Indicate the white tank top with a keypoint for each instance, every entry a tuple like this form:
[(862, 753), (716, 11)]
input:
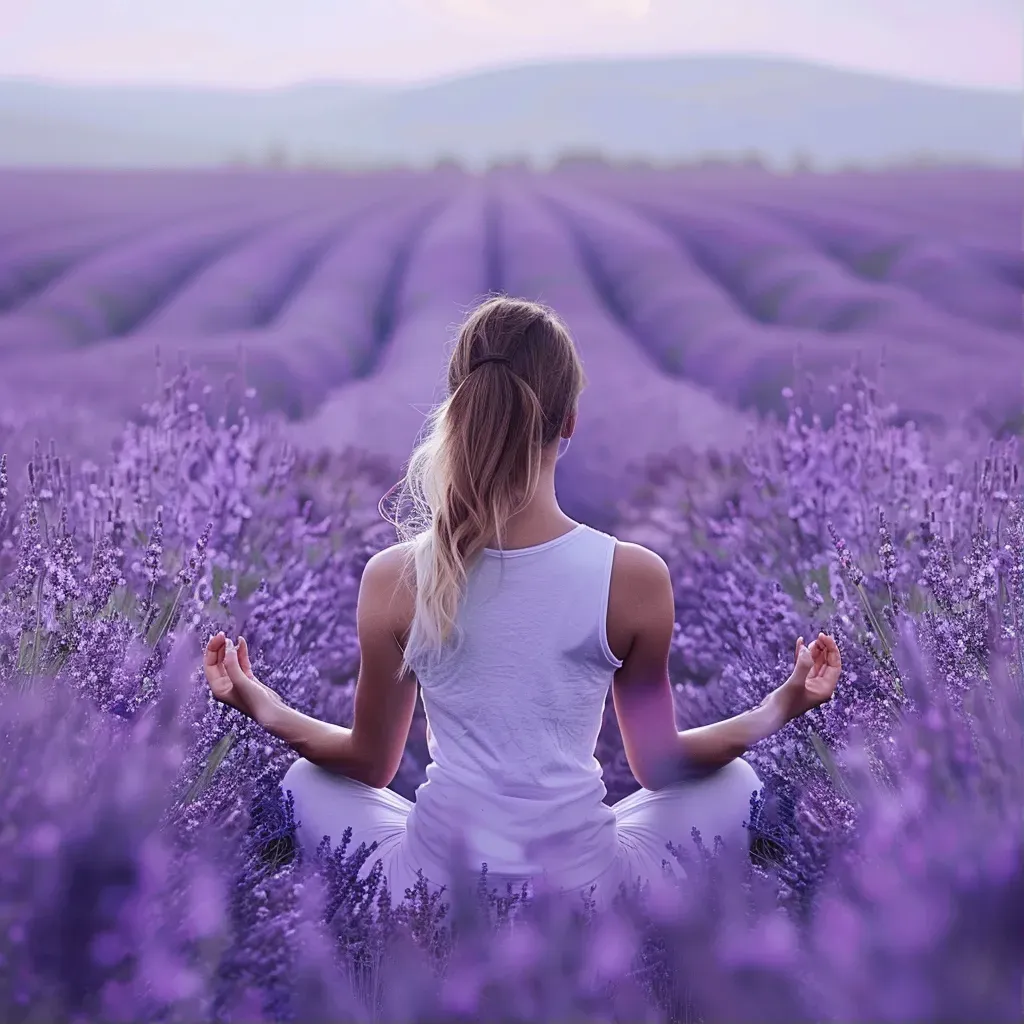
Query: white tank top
[(514, 710)]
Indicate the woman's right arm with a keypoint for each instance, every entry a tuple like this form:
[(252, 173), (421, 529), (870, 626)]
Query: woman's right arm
[(370, 751), (658, 753)]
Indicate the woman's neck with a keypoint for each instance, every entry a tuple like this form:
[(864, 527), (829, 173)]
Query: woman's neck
[(541, 519)]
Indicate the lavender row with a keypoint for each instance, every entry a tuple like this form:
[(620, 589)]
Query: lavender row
[(90, 277), (323, 338), (443, 273), (698, 299), (949, 270), (631, 411)]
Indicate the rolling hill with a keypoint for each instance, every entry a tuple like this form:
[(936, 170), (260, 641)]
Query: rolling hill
[(669, 109)]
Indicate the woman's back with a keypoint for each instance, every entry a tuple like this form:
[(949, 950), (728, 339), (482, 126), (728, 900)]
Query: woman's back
[(514, 709)]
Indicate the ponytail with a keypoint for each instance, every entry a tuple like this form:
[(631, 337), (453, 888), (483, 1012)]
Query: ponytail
[(479, 459)]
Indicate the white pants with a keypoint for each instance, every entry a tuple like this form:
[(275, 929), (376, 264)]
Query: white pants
[(717, 805)]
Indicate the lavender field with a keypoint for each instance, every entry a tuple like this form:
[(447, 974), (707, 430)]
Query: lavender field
[(690, 293), (806, 392)]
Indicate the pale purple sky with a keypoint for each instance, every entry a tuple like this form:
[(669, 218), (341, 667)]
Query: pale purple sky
[(254, 43)]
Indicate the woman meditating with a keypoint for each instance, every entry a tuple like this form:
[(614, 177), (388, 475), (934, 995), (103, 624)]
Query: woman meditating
[(514, 621)]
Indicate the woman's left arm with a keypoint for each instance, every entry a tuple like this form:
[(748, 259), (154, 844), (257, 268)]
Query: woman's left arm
[(371, 751)]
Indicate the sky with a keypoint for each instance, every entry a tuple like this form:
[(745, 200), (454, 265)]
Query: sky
[(267, 43)]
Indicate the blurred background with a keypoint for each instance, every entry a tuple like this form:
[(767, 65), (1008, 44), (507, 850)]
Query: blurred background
[(309, 196)]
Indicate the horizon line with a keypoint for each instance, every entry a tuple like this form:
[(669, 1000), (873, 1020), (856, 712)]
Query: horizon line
[(403, 84)]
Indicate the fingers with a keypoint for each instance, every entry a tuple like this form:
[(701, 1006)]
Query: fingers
[(214, 649), (821, 644), (803, 664), (823, 652), (243, 656), (818, 664), (231, 665), (832, 652), (818, 645), (227, 664), (218, 646)]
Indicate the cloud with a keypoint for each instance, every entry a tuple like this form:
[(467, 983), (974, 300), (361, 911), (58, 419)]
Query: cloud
[(267, 42), (13, 13), (633, 9), (541, 13)]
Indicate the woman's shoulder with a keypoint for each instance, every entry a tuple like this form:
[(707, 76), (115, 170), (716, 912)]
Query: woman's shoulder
[(634, 561), (391, 571), (628, 552), (640, 596), (388, 588), (391, 563), (639, 576)]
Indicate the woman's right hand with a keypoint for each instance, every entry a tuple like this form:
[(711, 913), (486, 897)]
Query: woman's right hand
[(815, 677), (230, 677)]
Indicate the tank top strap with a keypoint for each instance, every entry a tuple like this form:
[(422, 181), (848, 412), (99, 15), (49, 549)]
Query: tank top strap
[(603, 547)]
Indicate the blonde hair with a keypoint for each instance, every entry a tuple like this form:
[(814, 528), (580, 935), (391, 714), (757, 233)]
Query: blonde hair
[(514, 378)]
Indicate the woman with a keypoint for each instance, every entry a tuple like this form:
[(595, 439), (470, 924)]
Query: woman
[(514, 622)]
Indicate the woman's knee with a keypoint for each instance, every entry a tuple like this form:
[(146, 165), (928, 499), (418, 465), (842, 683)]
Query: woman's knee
[(740, 773), (301, 775), (737, 781), (313, 792), (305, 779), (736, 777)]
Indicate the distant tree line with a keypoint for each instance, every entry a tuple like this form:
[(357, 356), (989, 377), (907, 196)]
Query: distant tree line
[(276, 157)]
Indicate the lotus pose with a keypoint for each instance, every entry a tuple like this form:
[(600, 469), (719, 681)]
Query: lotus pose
[(514, 621)]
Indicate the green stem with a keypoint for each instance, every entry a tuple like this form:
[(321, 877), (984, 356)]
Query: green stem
[(39, 629), (213, 761), (875, 625), (168, 618)]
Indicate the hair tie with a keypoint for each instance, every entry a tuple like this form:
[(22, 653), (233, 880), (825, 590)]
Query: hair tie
[(490, 359)]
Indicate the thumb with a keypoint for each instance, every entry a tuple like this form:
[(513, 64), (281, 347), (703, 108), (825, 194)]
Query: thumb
[(804, 662)]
